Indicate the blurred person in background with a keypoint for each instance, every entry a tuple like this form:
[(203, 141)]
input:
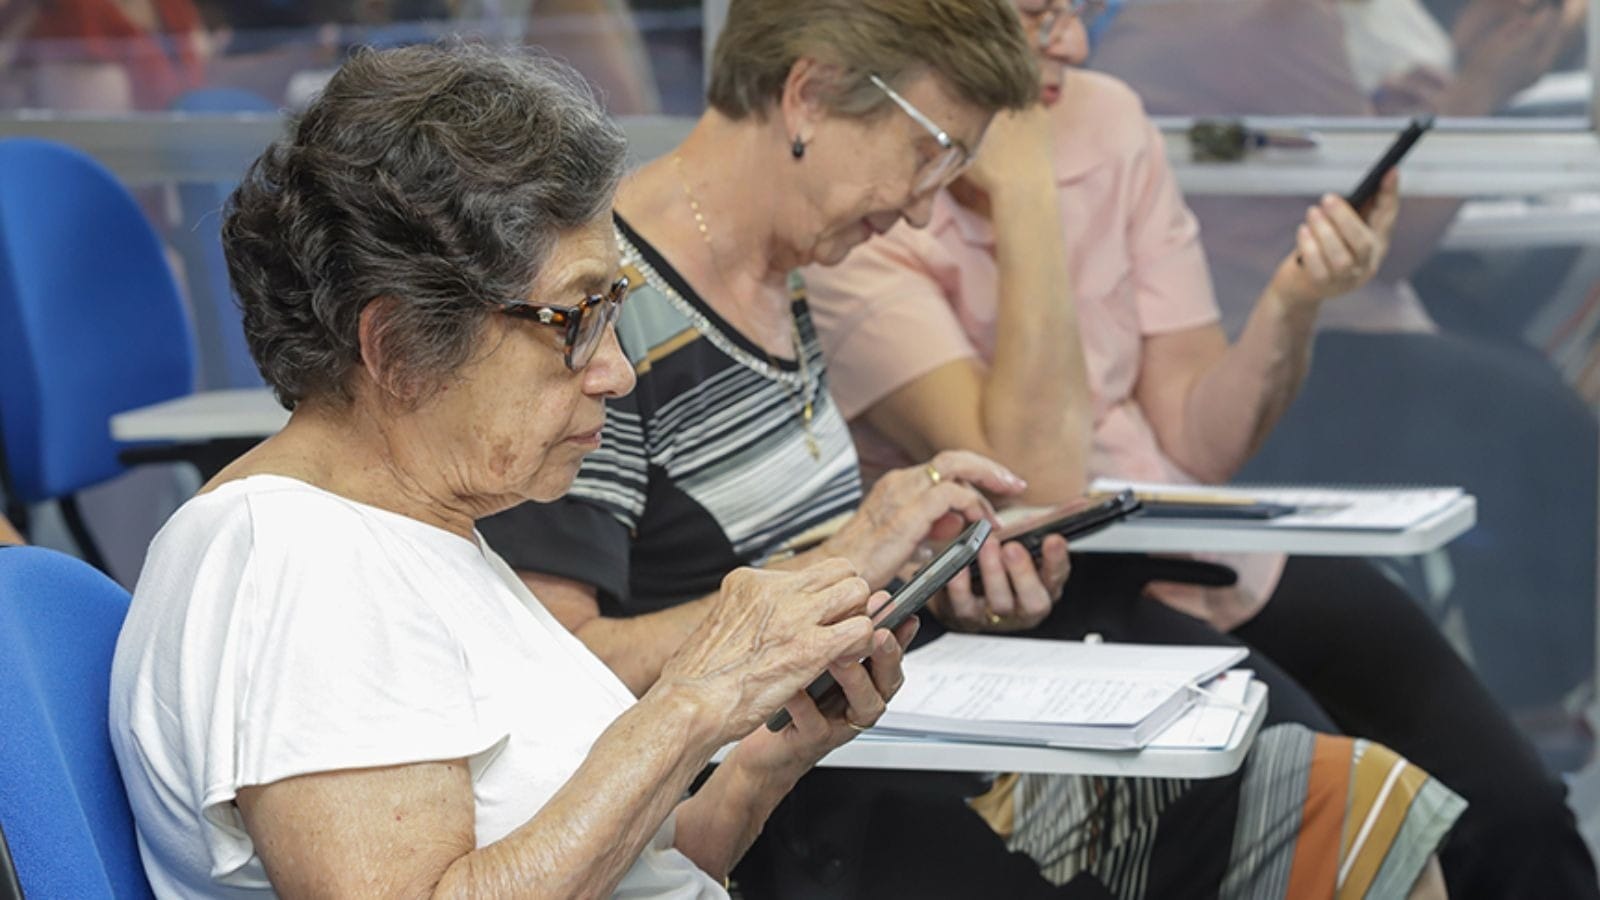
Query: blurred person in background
[(1056, 315), (601, 39), (285, 50), (110, 56), (16, 20), (1392, 398)]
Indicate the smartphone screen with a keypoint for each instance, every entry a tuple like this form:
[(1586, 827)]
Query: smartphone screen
[(931, 577)]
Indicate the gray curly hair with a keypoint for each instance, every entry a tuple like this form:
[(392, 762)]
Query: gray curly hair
[(437, 177)]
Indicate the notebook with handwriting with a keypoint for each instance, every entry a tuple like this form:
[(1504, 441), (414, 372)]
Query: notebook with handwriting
[(1050, 693)]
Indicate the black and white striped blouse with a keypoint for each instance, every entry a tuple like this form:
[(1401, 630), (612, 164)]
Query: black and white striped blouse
[(705, 467)]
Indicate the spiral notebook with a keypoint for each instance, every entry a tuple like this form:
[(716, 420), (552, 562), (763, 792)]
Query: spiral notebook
[(1050, 693)]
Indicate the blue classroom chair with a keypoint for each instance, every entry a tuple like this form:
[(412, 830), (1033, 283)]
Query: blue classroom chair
[(62, 804), (91, 324)]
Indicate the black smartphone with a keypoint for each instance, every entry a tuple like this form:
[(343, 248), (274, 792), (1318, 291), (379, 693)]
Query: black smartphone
[(1082, 523), (1072, 526), (907, 601), (1368, 188)]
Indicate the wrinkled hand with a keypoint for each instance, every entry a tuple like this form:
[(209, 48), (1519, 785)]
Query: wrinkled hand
[(908, 505), (1336, 251), (1018, 146), (1503, 46), (768, 635), (1018, 594), (813, 732)]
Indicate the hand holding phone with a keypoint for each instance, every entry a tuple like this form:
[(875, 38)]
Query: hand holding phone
[(1321, 268), (906, 602), (1072, 526)]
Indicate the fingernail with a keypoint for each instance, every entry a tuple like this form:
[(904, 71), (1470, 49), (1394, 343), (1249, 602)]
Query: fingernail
[(1329, 200)]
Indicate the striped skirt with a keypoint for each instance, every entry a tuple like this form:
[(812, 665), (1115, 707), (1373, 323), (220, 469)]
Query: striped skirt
[(1306, 816)]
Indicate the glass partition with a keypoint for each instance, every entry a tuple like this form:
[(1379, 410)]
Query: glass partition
[(155, 55), (1460, 59)]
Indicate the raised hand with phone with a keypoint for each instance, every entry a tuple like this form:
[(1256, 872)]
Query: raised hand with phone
[(1339, 246)]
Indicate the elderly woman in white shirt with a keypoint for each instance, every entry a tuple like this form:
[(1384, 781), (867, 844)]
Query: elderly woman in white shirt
[(327, 685)]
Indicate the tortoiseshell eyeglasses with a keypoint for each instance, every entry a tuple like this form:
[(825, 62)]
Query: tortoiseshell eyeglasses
[(584, 324)]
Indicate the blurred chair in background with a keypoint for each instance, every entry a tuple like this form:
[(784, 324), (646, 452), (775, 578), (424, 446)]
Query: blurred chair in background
[(224, 358), (91, 324)]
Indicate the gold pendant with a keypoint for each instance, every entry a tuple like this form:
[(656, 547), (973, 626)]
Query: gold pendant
[(813, 446)]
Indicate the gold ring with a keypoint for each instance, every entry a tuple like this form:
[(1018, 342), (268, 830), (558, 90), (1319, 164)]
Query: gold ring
[(933, 474), (858, 729), (994, 618)]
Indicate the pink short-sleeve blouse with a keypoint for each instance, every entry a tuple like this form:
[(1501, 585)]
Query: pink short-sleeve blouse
[(910, 301)]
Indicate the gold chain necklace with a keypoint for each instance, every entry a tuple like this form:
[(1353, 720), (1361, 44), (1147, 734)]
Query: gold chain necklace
[(803, 397)]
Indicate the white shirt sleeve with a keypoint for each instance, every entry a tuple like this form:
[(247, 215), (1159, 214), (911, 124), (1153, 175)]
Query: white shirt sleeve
[(333, 657)]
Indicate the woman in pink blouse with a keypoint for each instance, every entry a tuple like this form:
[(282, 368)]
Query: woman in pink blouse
[(1057, 315)]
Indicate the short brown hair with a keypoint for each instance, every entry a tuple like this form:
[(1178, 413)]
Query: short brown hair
[(975, 47)]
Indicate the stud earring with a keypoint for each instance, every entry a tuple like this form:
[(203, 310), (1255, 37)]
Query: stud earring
[(798, 148)]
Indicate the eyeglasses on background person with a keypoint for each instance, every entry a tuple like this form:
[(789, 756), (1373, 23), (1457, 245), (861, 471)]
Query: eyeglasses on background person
[(953, 157), (1045, 17)]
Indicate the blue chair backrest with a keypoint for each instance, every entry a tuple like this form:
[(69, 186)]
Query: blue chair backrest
[(224, 357), (91, 321), (62, 802)]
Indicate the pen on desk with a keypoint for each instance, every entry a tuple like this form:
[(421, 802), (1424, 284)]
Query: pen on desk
[(1209, 505), (1198, 499), (1230, 140)]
